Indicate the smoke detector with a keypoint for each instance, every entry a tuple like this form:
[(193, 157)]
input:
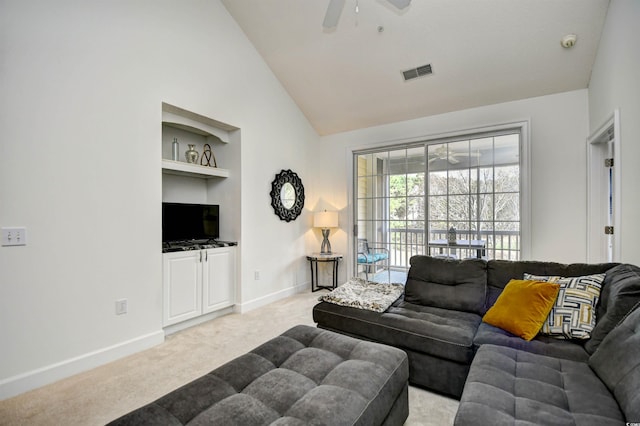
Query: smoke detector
[(569, 41)]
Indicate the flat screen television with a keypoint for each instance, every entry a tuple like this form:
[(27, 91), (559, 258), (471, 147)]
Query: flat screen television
[(182, 221)]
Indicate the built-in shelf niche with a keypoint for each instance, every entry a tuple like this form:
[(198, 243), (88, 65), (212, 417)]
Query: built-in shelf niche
[(192, 128)]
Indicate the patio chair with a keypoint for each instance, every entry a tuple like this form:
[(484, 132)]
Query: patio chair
[(372, 256)]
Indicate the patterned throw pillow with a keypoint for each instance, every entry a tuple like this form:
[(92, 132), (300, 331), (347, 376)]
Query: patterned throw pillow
[(574, 314)]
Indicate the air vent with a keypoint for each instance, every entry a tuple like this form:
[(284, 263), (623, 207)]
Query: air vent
[(417, 72)]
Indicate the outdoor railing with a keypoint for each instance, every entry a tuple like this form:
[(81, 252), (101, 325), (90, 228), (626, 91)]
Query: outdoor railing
[(404, 243)]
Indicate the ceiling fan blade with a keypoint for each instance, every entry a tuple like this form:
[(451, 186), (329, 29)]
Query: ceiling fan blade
[(400, 4), (453, 160), (332, 16)]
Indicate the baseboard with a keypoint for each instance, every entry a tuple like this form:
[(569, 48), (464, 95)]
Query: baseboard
[(270, 298), (24, 382), (196, 321)]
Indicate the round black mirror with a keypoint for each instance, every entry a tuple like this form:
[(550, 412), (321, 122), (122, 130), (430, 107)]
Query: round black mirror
[(287, 195)]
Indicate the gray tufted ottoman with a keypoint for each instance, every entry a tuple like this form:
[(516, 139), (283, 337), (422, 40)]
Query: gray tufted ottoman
[(306, 376)]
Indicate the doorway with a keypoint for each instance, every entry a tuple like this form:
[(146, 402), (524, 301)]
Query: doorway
[(603, 214)]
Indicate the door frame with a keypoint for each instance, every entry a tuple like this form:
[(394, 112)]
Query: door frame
[(597, 186)]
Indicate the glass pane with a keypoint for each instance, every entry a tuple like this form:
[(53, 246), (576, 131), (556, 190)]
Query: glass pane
[(365, 209), (398, 208), (459, 181), (507, 149), (364, 162), (398, 162), (481, 150), (365, 228), (366, 187), (507, 207), (415, 184), (473, 209), (438, 230), (507, 227), (459, 207), (485, 207), (437, 155), (416, 160), (397, 185), (415, 208), (462, 229), (438, 183), (438, 208), (507, 179), (416, 226), (485, 175), (458, 154), (372, 164)]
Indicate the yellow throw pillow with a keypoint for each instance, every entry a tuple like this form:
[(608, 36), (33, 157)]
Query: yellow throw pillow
[(522, 307)]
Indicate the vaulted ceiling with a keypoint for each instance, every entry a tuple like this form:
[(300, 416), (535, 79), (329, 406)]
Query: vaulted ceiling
[(481, 51)]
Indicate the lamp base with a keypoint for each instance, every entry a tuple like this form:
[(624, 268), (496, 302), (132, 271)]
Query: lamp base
[(325, 248)]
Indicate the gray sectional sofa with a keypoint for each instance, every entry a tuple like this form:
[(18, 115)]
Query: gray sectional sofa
[(438, 323)]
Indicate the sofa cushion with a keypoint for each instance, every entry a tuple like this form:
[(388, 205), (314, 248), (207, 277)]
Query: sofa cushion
[(617, 363), (499, 272), (523, 307), (620, 292), (434, 331), (542, 345), (507, 386), (573, 316), (447, 283)]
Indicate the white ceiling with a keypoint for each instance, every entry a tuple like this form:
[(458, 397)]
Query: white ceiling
[(482, 52)]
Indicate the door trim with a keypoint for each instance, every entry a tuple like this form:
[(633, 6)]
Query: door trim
[(596, 178)]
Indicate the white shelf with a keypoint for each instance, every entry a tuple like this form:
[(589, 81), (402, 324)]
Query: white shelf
[(181, 168), (195, 123)]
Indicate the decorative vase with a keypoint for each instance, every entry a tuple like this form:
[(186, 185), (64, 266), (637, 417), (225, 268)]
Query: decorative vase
[(175, 150), (191, 154), (451, 236)]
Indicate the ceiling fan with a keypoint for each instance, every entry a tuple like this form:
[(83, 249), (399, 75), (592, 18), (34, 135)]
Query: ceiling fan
[(334, 11), (442, 153)]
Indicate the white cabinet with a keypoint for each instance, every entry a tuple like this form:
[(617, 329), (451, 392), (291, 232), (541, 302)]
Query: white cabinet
[(218, 278), (197, 282), (182, 285)]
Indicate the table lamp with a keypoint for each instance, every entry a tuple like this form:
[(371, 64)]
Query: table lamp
[(325, 220)]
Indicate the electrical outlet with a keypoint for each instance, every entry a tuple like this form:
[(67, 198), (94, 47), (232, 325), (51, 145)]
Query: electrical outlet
[(15, 236), (121, 306), (256, 275)]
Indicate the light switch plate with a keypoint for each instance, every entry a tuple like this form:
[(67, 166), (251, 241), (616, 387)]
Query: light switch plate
[(14, 236)]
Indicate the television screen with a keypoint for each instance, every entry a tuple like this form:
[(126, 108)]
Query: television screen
[(190, 221)]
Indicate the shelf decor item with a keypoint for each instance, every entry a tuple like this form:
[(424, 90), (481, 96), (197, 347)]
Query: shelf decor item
[(191, 154), (207, 156), (175, 146)]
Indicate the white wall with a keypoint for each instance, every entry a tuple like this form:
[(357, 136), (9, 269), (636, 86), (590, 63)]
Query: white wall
[(558, 128), (80, 109), (615, 83)]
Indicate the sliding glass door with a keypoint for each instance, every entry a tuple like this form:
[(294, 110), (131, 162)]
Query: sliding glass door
[(413, 198)]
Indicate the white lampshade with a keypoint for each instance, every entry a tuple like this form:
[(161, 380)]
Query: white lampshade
[(325, 219)]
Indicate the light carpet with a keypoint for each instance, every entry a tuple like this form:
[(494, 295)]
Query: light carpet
[(100, 395)]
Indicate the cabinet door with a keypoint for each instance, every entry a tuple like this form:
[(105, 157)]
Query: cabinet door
[(182, 286), (219, 279)]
